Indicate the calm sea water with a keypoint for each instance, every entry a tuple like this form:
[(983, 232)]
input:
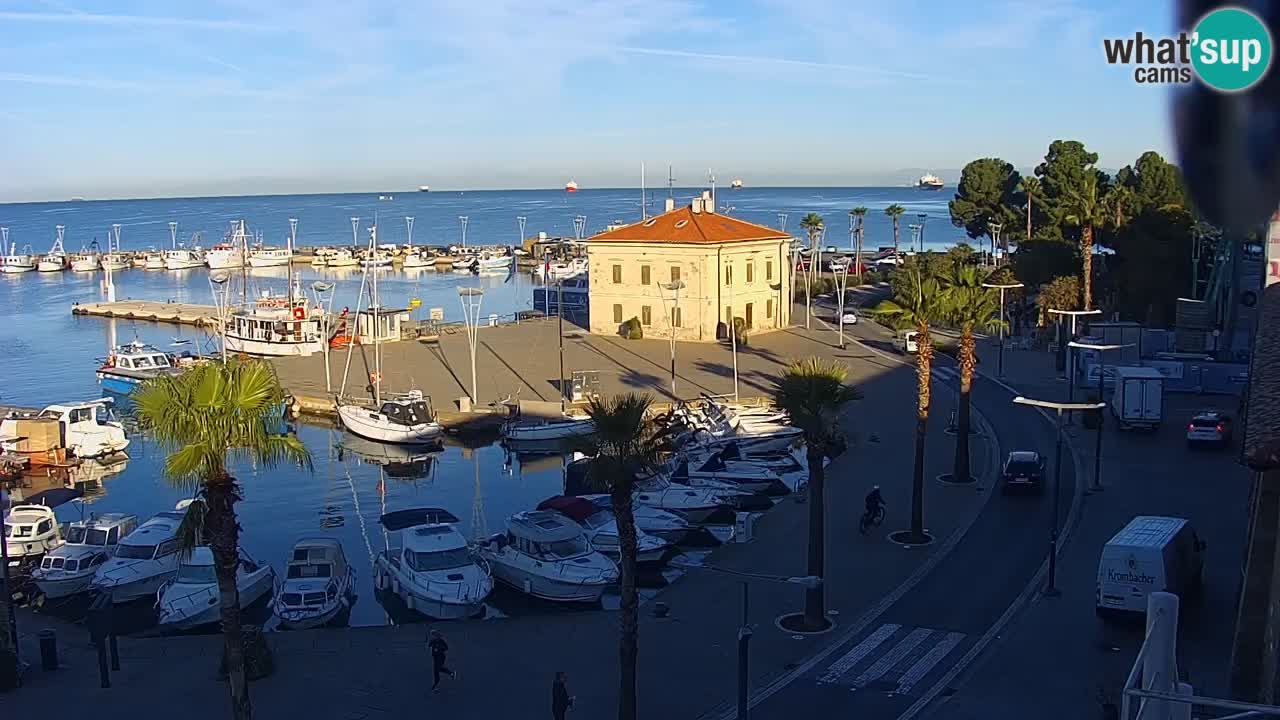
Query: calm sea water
[(48, 355)]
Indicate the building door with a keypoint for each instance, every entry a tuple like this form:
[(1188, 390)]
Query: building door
[(750, 315)]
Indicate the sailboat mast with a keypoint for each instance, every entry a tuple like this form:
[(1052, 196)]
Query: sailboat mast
[(644, 208), (244, 263), (376, 307), (560, 315)]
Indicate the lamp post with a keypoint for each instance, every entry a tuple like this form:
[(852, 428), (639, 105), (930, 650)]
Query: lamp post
[(733, 339), (852, 230), (463, 219), (219, 283), (782, 221), (675, 286), (841, 277), (1000, 354), (319, 288), (922, 217), (1102, 374), (471, 297), (355, 231), (1050, 587), (1071, 370), (993, 229), (915, 235)]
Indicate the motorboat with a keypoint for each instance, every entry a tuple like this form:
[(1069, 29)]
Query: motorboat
[(68, 569), (153, 260), (224, 256), (115, 261), (84, 433), (263, 256), (144, 560), (670, 526), (128, 366), (697, 505), (191, 599), (18, 262), (274, 327), (716, 473), (550, 271), (494, 261), (430, 567), (785, 464), (30, 531), (140, 260), (417, 259), (538, 429), (342, 257), (376, 259), (318, 584), (87, 260), (466, 264), (182, 258), (407, 419), (601, 528), (546, 555)]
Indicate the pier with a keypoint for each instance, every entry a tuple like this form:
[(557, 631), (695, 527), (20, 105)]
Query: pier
[(155, 311)]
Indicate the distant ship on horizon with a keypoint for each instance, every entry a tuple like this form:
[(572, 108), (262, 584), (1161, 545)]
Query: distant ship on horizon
[(571, 186), (424, 188), (736, 184), (929, 181)]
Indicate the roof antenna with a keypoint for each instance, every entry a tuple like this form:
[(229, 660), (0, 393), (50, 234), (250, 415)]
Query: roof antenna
[(670, 183), (712, 177)]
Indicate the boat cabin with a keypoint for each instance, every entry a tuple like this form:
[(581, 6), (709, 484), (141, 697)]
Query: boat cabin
[(389, 324), (412, 409), (273, 326), (154, 539), (318, 558), (89, 542), (30, 531), (545, 535), (138, 357)]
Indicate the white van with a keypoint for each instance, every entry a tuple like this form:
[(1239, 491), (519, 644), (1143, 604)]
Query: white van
[(1151, 554), (909, 344)]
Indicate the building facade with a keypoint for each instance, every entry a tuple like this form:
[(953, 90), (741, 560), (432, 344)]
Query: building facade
[(689, 271)]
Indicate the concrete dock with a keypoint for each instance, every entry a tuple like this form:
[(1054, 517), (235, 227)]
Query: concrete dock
[(156, 311)]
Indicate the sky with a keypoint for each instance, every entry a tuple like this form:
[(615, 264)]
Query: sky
[(147, 98)]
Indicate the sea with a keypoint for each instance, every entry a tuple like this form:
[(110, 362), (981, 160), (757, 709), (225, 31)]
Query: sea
[(48, 355)]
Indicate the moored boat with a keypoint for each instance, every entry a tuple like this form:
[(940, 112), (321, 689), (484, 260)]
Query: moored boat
[(18, 262), (601, 528), (68, 569), (430, 566), (83, 432), (318, 585), (546, 555), (407, 419), (191, 599), (183, 258), (127, 366), (144, 560)]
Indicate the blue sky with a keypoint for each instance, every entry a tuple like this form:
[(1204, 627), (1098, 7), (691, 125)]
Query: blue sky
[(145, 98)]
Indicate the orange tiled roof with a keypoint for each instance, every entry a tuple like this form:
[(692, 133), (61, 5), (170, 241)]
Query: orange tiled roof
[(682, 225)]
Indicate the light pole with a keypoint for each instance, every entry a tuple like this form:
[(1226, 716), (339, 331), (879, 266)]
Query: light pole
[(355, 231), (782, 221), (993, 229), (841, 277), (851, 230), (1071, 356), (320, 287), (915, 235), (520, 220), (219, 283), (463, 219), (922, 217), (1050, 587), (1000, 355), (471, 297), (675, 286), (1102, 373), (733, 339)]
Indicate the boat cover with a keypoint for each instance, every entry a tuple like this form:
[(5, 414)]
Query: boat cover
[(575, 508), (401, 519)]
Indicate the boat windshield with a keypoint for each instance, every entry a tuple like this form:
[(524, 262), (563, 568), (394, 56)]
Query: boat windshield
[(21, 531), (301, 571), (196, 575), (135, 552), (443, 560), (79, 535), (565, 549)]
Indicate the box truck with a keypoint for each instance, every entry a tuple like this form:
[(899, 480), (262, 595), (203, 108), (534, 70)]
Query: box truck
[(1150, 554), (1137, 400)]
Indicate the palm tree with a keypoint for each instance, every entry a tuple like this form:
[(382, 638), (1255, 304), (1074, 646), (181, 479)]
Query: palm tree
[(812, 392), (969, 306), (202, 416), (625, 441), (1029, 185), (813, 224), (919, 306), (1085, 207), (894, 212), (860, 213)]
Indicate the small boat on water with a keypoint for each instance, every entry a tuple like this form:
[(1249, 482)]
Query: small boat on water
[(191, 598), (494, 261), (571, 186), (183, 258), (84, 433), (546, 555), (144, 560), (670, 526), (68, 569), (318, 585), (468, 263), (127, 366), (223, 256), (18, 262), (152, 260), (341, 257), (417, 259), (263, 257), (406, 419), (275, 326), (601, 529), (430, 566), (538, 429), (697, 505), (56, 259), (30, 531), (115, 261), (87, 260)]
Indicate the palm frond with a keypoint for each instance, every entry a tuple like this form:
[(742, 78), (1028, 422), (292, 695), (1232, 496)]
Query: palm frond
[(190, 533), (811, 392), (626, 440)]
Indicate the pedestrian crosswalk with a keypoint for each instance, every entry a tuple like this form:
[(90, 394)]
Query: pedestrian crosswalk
[(893, 658)]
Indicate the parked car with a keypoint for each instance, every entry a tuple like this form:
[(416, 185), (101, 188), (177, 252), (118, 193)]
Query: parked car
[(1023, 469), (1210, 427), (850, 318)]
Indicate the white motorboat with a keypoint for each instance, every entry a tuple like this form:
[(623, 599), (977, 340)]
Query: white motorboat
[(128, 366), (275, 326), (183, 259), (67, 570), (153, 260), (318, 585), (406, 420), (494, 261), (18, 262), (537, 429), (224, 256), (601, 528), (430, 567), (784, 464), (30, 531), (342, 257), (715, 473), (547, 555), (417, 259), (670, 526), (467, 264), (144, 560), (376, 259), (87, 260), (84, 432), (698, 505), (262, 257), (562, 270), (191, 598)]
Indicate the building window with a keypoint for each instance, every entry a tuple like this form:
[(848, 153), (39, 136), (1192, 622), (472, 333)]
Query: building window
[(768, 309), (675, 317), (768, 270), (750, 316), (675, 273), (644, 274), (646, 314), (728, 274), (617, 274), (617, 313)]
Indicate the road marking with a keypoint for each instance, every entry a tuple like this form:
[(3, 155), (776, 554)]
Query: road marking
[(916, 672), (944, 373), (860, 651), (893, 657)]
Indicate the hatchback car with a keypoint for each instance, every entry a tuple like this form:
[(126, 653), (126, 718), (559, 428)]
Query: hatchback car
[(1023, 470), (1209, 428)]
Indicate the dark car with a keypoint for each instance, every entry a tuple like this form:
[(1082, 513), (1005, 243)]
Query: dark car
[(1023, 470)]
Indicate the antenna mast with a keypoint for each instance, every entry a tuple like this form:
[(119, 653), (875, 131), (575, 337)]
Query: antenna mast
[(671, 182)]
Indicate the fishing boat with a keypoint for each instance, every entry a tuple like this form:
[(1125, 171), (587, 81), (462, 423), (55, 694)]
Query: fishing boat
[(230, 253), (152, 259), (128, 366), (67, 570), (429, 565), (87, 260), (342, 257), (546, 555), (115, 261), (84, 433), (263, 256), (191, 598), (601, 529), (183, 258), (494, 261), (144, 560), (18, 262), (318, 585), (275, 326), (56, 259)]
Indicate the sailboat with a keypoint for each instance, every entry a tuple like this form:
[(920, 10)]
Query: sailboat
[(405, 419)]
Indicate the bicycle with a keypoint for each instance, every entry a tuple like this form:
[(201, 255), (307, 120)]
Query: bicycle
[(870, 519)]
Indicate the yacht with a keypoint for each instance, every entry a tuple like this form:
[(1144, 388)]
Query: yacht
[(430, 566), (68, 569), (494, 261), (929, 181), (191, 598), (83, 432), (153, 260), (407, 419), (128, 366), (182, 258), (342, 257), (144, 560), (537, 429), (18, 262), (601, 529), (318, 585), (30, 531), (547, 555), (670, 526), (87, 260), (274, 327)]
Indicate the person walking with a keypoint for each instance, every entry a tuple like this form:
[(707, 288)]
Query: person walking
[(561, 701), (439, 649)]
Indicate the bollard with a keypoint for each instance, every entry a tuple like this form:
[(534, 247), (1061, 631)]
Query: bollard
[(115, 652), (48, 650)]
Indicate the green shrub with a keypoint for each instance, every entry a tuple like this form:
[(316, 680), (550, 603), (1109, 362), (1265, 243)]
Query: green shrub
[(631, 329), (740, 330)]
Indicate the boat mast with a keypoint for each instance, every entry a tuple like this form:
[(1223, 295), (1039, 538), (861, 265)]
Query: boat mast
[(293, 238), (57, 244), (244, 263), (377, 346)]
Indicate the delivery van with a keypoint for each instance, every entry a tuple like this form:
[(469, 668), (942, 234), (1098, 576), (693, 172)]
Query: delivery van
[(1150, 554), (1137, 400)]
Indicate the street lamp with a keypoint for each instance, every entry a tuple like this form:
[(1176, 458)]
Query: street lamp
[(808, 582), (922, 217), (463, 219), (993, 229), (320, 287), (219, 282), (1050, 587), (733, 336), (1001, 288), (841, 277), (675, 286), (471, 297), (1102, 373), (1071, 372)]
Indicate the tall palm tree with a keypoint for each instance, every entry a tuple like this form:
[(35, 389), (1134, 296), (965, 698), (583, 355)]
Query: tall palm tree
[(811, 392), (202, 417), (860, 213), (625, 441), (1030, 186), (919, 305), (894, 212), (971, 307), (1086, 208), (813, 224)]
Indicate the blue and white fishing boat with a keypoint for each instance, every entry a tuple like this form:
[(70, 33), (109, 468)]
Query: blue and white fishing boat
[(129, 365)]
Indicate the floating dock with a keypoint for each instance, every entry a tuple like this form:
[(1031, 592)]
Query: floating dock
[(166, 312)]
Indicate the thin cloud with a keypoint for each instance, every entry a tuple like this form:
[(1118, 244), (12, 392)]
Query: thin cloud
[(83, 18), (764, 60), (197, 88)]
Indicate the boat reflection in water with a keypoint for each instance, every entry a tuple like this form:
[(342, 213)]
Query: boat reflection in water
[(399, 462)]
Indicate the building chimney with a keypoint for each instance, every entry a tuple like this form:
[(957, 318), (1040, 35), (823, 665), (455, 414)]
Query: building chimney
[(671, 204), (696, 205)]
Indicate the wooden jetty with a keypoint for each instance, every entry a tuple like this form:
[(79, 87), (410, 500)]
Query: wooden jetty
[(166, 312)]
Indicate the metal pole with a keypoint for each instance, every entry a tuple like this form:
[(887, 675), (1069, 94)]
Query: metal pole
[(1000, 352), (1051, 588), (6, 593), (733, 339), (1097, 443), (744, 644), (560, 330), (675, 305)]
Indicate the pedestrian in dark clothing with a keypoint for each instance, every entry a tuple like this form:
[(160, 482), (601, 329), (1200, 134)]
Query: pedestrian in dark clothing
[(439, 648), (561, 701)]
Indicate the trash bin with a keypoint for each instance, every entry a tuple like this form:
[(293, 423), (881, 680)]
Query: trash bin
[(464, 404), (48, 650)]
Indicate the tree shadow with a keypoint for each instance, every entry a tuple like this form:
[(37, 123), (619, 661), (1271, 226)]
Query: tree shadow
[(636, 379), (714, 368)]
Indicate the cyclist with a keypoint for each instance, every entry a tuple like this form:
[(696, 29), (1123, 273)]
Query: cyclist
[(875, 503)]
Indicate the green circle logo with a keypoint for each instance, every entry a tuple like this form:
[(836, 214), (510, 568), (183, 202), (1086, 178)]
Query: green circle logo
[(1231, 49)]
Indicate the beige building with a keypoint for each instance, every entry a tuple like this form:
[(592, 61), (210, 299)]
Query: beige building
[(723, 267)]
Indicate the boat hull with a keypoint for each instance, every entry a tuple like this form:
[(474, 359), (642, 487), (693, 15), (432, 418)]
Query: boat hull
[(548, 431), (145, 587), (261, 348), (260, 262), (88, 265), (13, 269), (55, 589), (357, 421), (434, 606), (545, 588), (198, 612), (50, 266), (182, 264)]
